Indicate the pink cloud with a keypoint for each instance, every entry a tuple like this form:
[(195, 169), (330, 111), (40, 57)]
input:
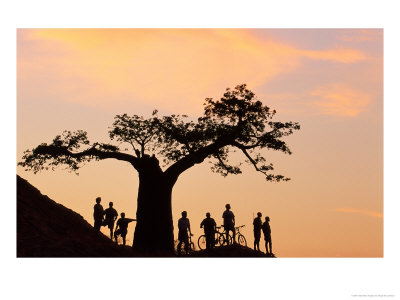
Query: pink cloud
[(164, 68), (340, 100)]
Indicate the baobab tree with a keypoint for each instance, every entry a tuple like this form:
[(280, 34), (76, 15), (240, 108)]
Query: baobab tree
[(238, 120)]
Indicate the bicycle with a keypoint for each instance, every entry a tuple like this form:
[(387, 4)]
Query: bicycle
[(191, 245), (240, 237), (241, 240), (201, 242), (223, 237)]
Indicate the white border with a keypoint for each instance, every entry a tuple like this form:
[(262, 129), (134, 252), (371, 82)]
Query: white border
[(233, 278)]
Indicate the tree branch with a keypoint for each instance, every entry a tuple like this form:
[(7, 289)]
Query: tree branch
[(253, 161), (224, 169), (221, 162), (104, 155), (55, 155), (195, 157), (262, 169), (174, 135)]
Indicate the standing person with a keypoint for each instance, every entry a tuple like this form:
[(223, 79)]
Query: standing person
[(257, 224), (122, 228), (267, 235), (184, 228), (111, 215), (209, 230), (98, 214), (229, 222)]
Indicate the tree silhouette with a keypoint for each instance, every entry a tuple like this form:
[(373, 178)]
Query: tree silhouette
[(237, 121)]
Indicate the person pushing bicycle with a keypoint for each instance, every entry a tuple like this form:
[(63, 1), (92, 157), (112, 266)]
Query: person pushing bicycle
[(229, 222), (209, 230), (183, 237)]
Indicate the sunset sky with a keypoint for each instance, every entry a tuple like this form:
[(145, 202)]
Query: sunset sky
[(328, 80)]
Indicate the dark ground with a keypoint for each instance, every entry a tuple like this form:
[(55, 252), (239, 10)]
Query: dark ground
[(48, 229)]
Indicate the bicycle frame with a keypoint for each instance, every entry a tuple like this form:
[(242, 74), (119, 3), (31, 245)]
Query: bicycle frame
[(190, 245), (239, 237)]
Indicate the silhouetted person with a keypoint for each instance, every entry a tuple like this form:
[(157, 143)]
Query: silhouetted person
[(257, 224), (184, 229), (111, 215), (122, 228), (229, 222), (209, 230), (267, 235), (98, 214)]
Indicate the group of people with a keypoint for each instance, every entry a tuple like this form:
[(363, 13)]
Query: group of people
[(209, 226), (108, 217), (258, 225)]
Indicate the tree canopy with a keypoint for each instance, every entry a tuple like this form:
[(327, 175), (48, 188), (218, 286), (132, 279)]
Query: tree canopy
[(238, 120)]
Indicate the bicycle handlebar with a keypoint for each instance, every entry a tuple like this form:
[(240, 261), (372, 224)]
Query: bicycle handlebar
[(235, 226)]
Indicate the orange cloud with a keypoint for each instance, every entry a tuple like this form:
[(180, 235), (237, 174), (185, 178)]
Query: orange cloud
[(164, 67), (341, 100), (359, 211)]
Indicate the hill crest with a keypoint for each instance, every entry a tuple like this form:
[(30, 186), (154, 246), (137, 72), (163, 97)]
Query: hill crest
[(46, 228)]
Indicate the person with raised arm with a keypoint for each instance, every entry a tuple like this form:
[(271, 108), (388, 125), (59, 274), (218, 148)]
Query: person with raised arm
[(122, 228)]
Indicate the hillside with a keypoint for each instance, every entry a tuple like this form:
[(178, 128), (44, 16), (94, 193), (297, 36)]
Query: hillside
[(48, 229)]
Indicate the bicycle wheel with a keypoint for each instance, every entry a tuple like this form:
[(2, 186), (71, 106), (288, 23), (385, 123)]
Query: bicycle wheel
[(201, 242), (242, 240), (223, 241), (217, 239), (231, 240)]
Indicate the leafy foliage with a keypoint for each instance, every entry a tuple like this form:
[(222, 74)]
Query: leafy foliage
[(236, 121), (63, 151), (136, 131)]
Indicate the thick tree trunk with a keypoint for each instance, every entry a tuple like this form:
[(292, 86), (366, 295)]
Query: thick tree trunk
[(154, 233)]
